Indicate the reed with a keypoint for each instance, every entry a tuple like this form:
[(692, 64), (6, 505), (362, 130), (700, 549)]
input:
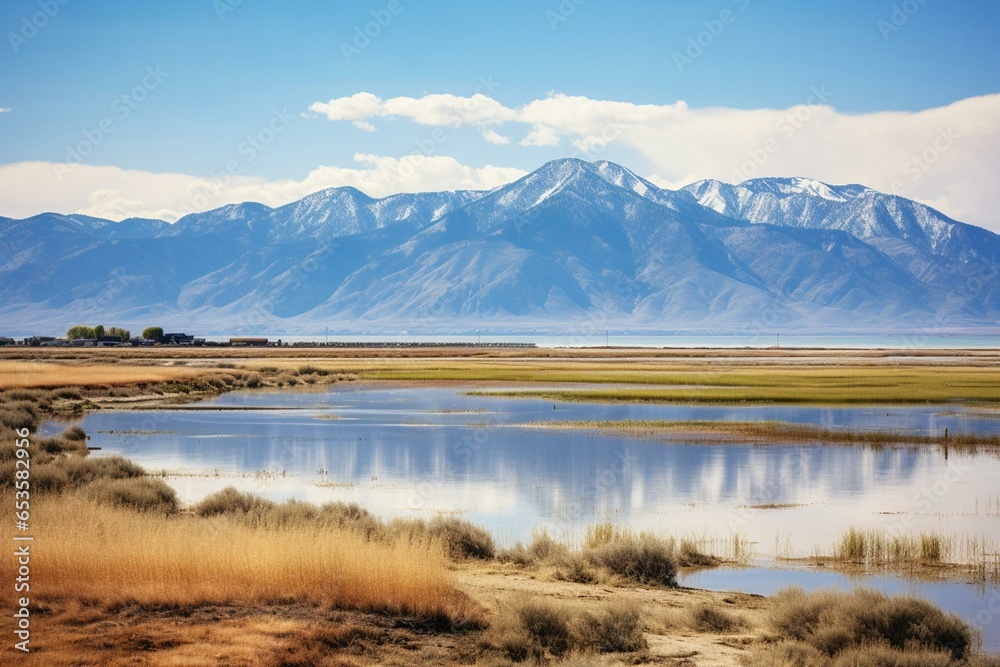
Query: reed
[(118, 557)]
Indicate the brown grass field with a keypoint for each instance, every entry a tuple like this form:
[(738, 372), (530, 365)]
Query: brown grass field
[(43, 375)]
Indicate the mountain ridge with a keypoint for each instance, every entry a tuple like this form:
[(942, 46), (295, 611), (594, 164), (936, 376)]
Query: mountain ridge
[(563, 247)]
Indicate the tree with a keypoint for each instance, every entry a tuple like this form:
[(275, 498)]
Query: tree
[(80, 331), (124, 334), (152, 333), (98, 331)]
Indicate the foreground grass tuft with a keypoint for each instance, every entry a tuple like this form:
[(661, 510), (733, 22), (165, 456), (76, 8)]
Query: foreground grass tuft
[(119, 557), (540, 629)]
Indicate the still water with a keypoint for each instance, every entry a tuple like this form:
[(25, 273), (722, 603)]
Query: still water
[(419, 451)]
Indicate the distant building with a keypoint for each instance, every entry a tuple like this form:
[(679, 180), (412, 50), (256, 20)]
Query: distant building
[(246, 341), (177, 339), (142, 342), (4, 341), (109, 341), (35, 341)]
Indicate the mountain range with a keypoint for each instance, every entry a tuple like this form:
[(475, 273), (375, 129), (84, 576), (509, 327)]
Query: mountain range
[(571, 247)]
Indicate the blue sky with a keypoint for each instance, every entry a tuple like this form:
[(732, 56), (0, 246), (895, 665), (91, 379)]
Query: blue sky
[(227, 66)]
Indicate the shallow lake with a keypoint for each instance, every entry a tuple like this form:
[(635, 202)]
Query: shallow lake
[(416, 451)]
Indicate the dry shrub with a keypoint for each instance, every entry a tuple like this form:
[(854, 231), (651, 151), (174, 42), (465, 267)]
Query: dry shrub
[(576, 568), (689, 556), (709, 618), (864, 628), (17, 414), (231, 501), (542, 629), (461, 539), (62, 445), (644, 560), (85, 470), (881, 656), (614, 627), (49, 477), (543, 549), (140, 493)]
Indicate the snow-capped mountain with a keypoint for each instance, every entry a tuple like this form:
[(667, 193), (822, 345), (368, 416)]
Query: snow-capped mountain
[(574, 244)]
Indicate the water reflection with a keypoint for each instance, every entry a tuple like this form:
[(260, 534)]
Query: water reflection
[(419, 451), (425, 450)]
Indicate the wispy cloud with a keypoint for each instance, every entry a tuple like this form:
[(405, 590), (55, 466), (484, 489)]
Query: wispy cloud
[(495, 138), (5, 109)]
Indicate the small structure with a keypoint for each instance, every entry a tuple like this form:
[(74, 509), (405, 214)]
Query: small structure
[(61, 342), (109, 341), (36, 341), (5, 341), (177, 339), (248, 341)]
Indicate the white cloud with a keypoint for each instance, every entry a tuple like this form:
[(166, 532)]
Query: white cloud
[(436, 110), (29, 188), (494, 138), (541, 135), (356, 107), (5, 109), (946, 156), (448, 110), (363, 125)]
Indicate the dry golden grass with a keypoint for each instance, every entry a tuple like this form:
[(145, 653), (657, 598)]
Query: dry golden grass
[(118, 557), (35, 375), (766, 431)]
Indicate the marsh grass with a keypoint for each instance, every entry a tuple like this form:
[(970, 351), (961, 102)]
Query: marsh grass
[(878, 548), (842, 385), (118, 557), (772, 431)]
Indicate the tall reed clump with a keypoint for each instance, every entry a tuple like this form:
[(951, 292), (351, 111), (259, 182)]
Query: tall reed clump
[(875, 547), (116, 557)]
